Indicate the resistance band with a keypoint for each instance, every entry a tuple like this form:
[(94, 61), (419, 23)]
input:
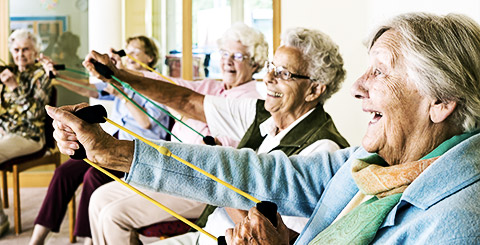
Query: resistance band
[(62, 67), (107, 73), (144, 111), (173, 213), (98, 114), (122, 53), (209, 140)]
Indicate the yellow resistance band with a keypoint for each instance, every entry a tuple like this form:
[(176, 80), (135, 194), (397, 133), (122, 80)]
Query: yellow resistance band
[(166, 152), (150, 69), (186, 221)]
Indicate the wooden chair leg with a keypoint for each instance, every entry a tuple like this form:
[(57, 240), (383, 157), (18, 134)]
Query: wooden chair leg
[(4, 189), (71, 219), (16, 201)]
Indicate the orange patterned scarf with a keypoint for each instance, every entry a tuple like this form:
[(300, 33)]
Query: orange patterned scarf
[(380, 181)]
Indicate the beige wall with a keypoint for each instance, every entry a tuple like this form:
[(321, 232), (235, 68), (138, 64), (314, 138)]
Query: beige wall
[(134, 20), (4, 26), (345, 22)]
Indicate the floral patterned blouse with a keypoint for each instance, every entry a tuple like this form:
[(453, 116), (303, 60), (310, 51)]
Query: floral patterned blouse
[(22, 110)]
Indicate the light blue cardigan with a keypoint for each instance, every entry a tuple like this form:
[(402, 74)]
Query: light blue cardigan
[(442, 206)]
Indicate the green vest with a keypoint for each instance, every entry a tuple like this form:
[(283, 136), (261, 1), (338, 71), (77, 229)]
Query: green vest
[(316, 126)]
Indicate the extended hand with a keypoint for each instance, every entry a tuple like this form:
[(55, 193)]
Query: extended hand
[(103, 59), (100, 147), (47, 64), (257, 229)]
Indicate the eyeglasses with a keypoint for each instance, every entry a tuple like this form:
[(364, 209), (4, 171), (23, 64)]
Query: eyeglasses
[(282, 72), (237, 56)]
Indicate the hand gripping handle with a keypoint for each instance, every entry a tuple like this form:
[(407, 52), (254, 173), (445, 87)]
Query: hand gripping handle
[(90, 114), (268, 209)]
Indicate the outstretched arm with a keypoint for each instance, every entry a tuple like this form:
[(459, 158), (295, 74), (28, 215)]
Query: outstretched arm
[(183, 100)]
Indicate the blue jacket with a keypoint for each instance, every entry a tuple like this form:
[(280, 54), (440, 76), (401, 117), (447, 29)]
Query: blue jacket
[(442, 206)]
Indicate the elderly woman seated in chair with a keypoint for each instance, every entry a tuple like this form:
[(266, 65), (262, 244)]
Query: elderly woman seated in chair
[(25, 90)]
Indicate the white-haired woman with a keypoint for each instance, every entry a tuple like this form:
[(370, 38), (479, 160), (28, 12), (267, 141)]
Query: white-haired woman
[(25, 90), (116, 212)]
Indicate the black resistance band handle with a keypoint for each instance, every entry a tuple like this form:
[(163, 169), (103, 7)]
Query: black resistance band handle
[(102, 69), (209, 140), (57, 67), (120, 52), (90, 114), (268, 209)]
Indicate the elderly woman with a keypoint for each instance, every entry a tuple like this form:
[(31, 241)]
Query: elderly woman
[(72, 173), (418, 169), (115, 211), (25, 90)]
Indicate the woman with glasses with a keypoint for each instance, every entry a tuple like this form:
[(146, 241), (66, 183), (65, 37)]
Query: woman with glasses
[(116, 211), (304, 73)]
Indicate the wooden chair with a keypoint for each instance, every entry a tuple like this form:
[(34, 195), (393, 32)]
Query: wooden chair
[(72, 215), (49, 154)]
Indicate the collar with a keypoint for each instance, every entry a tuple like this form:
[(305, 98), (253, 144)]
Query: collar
[(424, 192), (269, 126)]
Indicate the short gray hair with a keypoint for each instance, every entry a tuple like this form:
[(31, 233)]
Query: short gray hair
[(251, 38), (324, 62), (442, 58), (22, 34)]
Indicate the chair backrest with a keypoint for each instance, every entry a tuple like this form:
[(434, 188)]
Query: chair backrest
[(49, 140)]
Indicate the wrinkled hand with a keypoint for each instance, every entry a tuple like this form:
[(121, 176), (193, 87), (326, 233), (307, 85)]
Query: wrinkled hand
[(8, 78), (47, 64), (257, 229), (101, 58), (99, 146)]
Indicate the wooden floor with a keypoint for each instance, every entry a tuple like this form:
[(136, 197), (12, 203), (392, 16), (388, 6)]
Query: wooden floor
[(31, 200)]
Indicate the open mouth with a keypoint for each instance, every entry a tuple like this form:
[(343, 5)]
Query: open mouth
[(274, 94), (376, 116)]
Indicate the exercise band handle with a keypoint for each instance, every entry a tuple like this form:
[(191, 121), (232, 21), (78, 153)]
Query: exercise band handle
[(120, 53), (268, 209), (102, 69), (209, 140), (56, 67), (59, 67), (91, 114)]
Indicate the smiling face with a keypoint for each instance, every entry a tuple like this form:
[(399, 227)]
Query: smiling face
[(400, 129), (236, 72), (136, 49), (23, 53), (293, 97)]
